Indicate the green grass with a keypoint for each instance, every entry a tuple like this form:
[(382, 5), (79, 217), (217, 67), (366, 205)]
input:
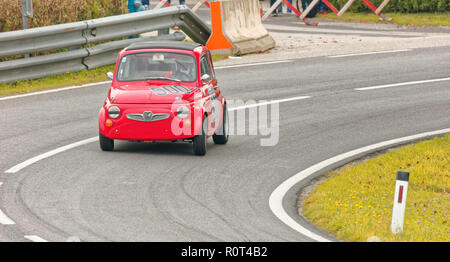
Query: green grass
[(62, 80), (355, 203), (55, 81), (219, 57), (414, 19)]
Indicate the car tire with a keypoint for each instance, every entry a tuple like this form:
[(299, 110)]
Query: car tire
[(199, 140), (222, 137), (106, 144)]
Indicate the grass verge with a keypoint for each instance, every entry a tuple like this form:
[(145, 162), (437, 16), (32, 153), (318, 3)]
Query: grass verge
[(62, 80), (355, 202), (55, 81), (415, 19)]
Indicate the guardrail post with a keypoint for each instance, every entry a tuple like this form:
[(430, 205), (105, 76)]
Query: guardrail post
[(27, 11)]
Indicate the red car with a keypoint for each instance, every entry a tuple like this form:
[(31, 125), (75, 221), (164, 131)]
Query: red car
[(164, 91)]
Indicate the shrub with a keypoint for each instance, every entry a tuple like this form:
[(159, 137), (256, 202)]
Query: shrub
[(50, 12)]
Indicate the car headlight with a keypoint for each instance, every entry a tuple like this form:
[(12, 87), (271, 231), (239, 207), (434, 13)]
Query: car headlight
[(114, 112), (182, 112)]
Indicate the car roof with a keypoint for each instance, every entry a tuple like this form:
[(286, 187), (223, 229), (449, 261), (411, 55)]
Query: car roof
[(163, 45)]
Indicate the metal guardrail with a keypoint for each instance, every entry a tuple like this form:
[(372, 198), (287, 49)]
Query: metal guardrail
[(86, 32)]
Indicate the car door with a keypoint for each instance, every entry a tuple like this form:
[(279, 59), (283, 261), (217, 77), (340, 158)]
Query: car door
[(213, 76), (208, 91)]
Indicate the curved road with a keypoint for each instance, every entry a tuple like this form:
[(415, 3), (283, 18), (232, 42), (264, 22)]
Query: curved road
[(162, 192)]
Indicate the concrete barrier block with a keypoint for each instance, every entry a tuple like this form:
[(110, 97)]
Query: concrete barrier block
[(243, 27)]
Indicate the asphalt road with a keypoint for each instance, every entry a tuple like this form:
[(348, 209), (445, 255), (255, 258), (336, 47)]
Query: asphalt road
[(162, 192)]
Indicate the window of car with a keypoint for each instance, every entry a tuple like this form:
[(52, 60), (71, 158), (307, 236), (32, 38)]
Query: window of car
[(204, 66), (211, 65), (157, 65)]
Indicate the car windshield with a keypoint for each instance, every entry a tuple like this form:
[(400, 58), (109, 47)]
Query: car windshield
[(157, 66)]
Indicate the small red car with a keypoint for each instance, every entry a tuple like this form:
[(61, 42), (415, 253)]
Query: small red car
[(164, 91)]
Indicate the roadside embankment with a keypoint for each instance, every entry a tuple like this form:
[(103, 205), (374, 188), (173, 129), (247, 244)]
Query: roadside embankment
[(355, 202)]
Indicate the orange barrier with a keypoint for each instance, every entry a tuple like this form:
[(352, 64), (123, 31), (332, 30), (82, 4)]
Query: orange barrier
[(217, 40)]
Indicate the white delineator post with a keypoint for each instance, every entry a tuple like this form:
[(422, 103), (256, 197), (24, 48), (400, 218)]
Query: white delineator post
[(398, 211)]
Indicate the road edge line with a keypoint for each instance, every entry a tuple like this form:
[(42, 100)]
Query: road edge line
[(60, 89), (277, 196), (53, 152), (371, 53), (436, 80), (61, 149), (53, 90), (35, 238)]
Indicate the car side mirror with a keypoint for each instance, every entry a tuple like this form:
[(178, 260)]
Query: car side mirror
[(110, 76), (205, 78)]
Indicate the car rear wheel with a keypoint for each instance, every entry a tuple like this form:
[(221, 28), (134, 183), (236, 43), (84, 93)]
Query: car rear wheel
[(106, 144), (221, 137), (199, 144)]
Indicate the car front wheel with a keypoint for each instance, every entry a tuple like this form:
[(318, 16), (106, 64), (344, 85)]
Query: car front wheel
[(200, 139), (106, 144), (221, 136)]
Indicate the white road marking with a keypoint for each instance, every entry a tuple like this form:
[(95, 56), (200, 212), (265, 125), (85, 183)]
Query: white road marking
[(371, 53), (253, 64), (35, 238), (269, 102), (53, 152), (53, 90), (276, 198), (403, 84), (5, 220), (58, 150), (106, 82)]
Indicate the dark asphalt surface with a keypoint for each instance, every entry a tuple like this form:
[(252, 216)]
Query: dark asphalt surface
[(162, 192)]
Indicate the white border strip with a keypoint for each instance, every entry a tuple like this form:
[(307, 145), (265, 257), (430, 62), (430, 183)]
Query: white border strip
[(53, 90), (253, 64), (5, 220), (108, 82), (269, 102), (58, 150), (371, 53), (403, 84), (35, 238), (276, 198)]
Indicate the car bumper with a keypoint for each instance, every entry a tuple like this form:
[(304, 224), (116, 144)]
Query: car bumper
[(170, 128)]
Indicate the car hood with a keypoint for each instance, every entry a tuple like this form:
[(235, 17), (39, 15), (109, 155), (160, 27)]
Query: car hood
[(157, 94)]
